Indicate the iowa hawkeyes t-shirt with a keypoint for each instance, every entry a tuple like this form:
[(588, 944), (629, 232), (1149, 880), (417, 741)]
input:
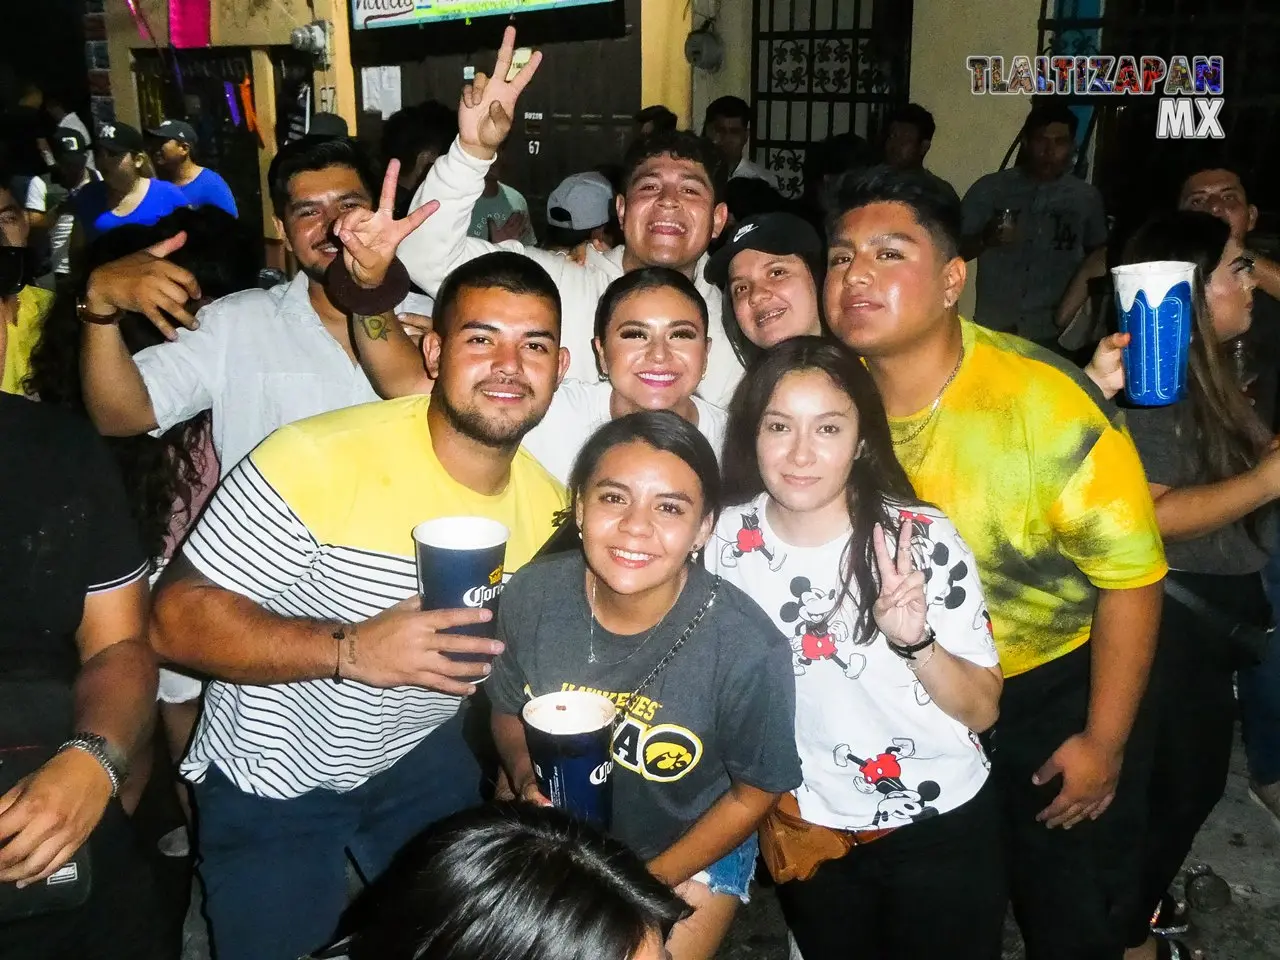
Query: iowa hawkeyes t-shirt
[(1039, 475), (723, 709)]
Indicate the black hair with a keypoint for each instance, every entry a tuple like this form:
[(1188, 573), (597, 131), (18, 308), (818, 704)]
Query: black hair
[(749, 196), (564, 238), (315, 152), (424, 126), (682, 145), (503, 270), (513, 880), (663, 430), (159, 472), (659, 116), (1228, 435), (1046, 111), (934, 207), (877, 485), (917, 116), (728, 108), (830, 158), (1195, 158), (637, 281)]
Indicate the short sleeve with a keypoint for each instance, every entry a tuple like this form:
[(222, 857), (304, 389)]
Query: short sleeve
[(117, 557), (757, 709), (183, 376), (1095, 220), (37, 195), (505, 686), (1105, 520), (957, 608), (976, 207), (248, 540)]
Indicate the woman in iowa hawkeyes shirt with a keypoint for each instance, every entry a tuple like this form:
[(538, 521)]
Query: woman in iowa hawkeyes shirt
[(704, 750)]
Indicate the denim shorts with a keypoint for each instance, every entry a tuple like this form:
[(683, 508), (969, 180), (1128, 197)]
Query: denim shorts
[(732, 873)]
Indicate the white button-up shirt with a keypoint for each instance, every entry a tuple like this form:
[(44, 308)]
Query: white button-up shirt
[(260, 359)]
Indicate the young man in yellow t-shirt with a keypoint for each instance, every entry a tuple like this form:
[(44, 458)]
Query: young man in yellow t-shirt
[(333, 722), (1040, 477)]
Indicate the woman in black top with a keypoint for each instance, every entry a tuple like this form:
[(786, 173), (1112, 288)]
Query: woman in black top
[(704, 749), (1212, 469)]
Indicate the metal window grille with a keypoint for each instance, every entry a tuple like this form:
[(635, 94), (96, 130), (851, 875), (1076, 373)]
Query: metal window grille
[(821, 68)]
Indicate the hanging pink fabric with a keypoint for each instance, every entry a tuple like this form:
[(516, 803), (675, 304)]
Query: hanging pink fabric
[(140, 20), (189, 23)]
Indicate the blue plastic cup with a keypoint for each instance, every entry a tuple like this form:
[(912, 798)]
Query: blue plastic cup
[(460, 564), (1154, 306), (570, 738)]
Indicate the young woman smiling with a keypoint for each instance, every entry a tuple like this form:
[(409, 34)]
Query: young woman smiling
[(651, 348), (700, 676), (896, 670)]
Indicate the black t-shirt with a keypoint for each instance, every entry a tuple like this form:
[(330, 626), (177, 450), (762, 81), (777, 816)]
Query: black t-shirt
[(65, 532), (723, 709)]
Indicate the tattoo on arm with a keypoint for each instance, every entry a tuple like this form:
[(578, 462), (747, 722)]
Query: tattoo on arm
[(375, 328)]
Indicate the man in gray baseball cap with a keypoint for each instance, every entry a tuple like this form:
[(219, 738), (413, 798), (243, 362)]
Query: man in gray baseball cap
[(171, 145), (578, 211)]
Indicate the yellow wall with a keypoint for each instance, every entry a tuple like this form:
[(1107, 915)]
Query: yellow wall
[(665, 75)]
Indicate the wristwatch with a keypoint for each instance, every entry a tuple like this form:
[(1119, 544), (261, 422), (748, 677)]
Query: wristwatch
[(115, 763), (85, 315)]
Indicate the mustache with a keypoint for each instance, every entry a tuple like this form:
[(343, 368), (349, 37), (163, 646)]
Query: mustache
[(506, 384)]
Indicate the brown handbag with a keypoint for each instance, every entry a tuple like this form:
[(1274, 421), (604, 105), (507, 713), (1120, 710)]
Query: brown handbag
[(793, 848)]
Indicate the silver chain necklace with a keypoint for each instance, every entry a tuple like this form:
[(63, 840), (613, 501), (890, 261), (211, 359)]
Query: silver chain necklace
[(933, 407), (591, 625)]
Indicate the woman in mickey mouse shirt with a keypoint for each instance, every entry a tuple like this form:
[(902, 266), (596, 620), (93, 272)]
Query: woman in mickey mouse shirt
[(890, 691)]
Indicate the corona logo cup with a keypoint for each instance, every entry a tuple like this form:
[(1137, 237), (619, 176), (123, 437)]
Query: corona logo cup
[(460, 565), (1154, 306), (570, 737)]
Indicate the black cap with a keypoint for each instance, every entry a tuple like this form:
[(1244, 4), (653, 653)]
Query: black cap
[(178, 130), (777, 233), (327, 125), (67, 141), (119, 138)]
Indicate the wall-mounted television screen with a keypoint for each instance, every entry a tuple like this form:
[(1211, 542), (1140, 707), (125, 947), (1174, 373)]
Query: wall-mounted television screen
[(370, 14)]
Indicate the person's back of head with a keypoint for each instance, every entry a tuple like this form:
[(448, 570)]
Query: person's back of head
[(827, 161), (424, 127), (514, 881), (654, 119)]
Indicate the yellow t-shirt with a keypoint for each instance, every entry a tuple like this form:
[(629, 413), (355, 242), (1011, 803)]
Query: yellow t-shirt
[(364, 476), (34, 304), (1039, 475)]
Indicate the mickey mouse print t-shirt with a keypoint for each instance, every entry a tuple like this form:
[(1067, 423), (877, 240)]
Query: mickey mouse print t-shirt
[(875, 750)]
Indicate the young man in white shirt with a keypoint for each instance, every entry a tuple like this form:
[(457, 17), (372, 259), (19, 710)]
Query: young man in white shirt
[(728, 125), (670, 209)]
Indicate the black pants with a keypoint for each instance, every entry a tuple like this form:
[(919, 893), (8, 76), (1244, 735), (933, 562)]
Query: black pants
[(1072, 890), (118, 922), (935, 888), (1194, 718)]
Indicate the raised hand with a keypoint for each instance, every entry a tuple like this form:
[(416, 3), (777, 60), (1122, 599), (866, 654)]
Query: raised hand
[(145, 282), (899, 610), (488, 105), (370, 238)]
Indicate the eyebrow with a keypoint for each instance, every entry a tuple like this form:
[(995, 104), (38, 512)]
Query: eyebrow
[(619, 485), (308, 202), (770, 412), (494, 328), (685, 177)]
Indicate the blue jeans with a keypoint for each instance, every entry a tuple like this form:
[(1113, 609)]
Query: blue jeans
[(274, 871), (1259, 691), (732, 873)]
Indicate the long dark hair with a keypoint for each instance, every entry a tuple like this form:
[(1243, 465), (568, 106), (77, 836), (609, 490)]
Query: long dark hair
[(661, 429), (1229, 435), (877, 484), (159, 472), (513, 881)]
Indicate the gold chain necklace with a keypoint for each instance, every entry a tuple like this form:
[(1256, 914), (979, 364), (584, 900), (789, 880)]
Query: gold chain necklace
[(933, 407)]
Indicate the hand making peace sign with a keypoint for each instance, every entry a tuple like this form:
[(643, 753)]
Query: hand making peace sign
[(488, 105), (899, 611), (370, 238)]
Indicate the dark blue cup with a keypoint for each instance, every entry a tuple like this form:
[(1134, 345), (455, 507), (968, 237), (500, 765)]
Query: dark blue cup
[(570, 737), (1154, 306), (460, 562)]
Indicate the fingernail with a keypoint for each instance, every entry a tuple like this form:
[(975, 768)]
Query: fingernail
[(498, 647)]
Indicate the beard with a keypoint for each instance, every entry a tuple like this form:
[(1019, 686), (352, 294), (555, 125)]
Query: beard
[(491, 432)]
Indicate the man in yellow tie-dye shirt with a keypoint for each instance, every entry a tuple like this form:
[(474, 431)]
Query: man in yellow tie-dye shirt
[(1040, 477)]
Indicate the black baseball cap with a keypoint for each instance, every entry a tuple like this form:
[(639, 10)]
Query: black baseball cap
[(67, 141), (777, 233), (178, 130), (119, 138)]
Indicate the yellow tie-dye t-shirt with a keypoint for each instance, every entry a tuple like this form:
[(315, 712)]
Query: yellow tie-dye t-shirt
[(1039, 475)]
